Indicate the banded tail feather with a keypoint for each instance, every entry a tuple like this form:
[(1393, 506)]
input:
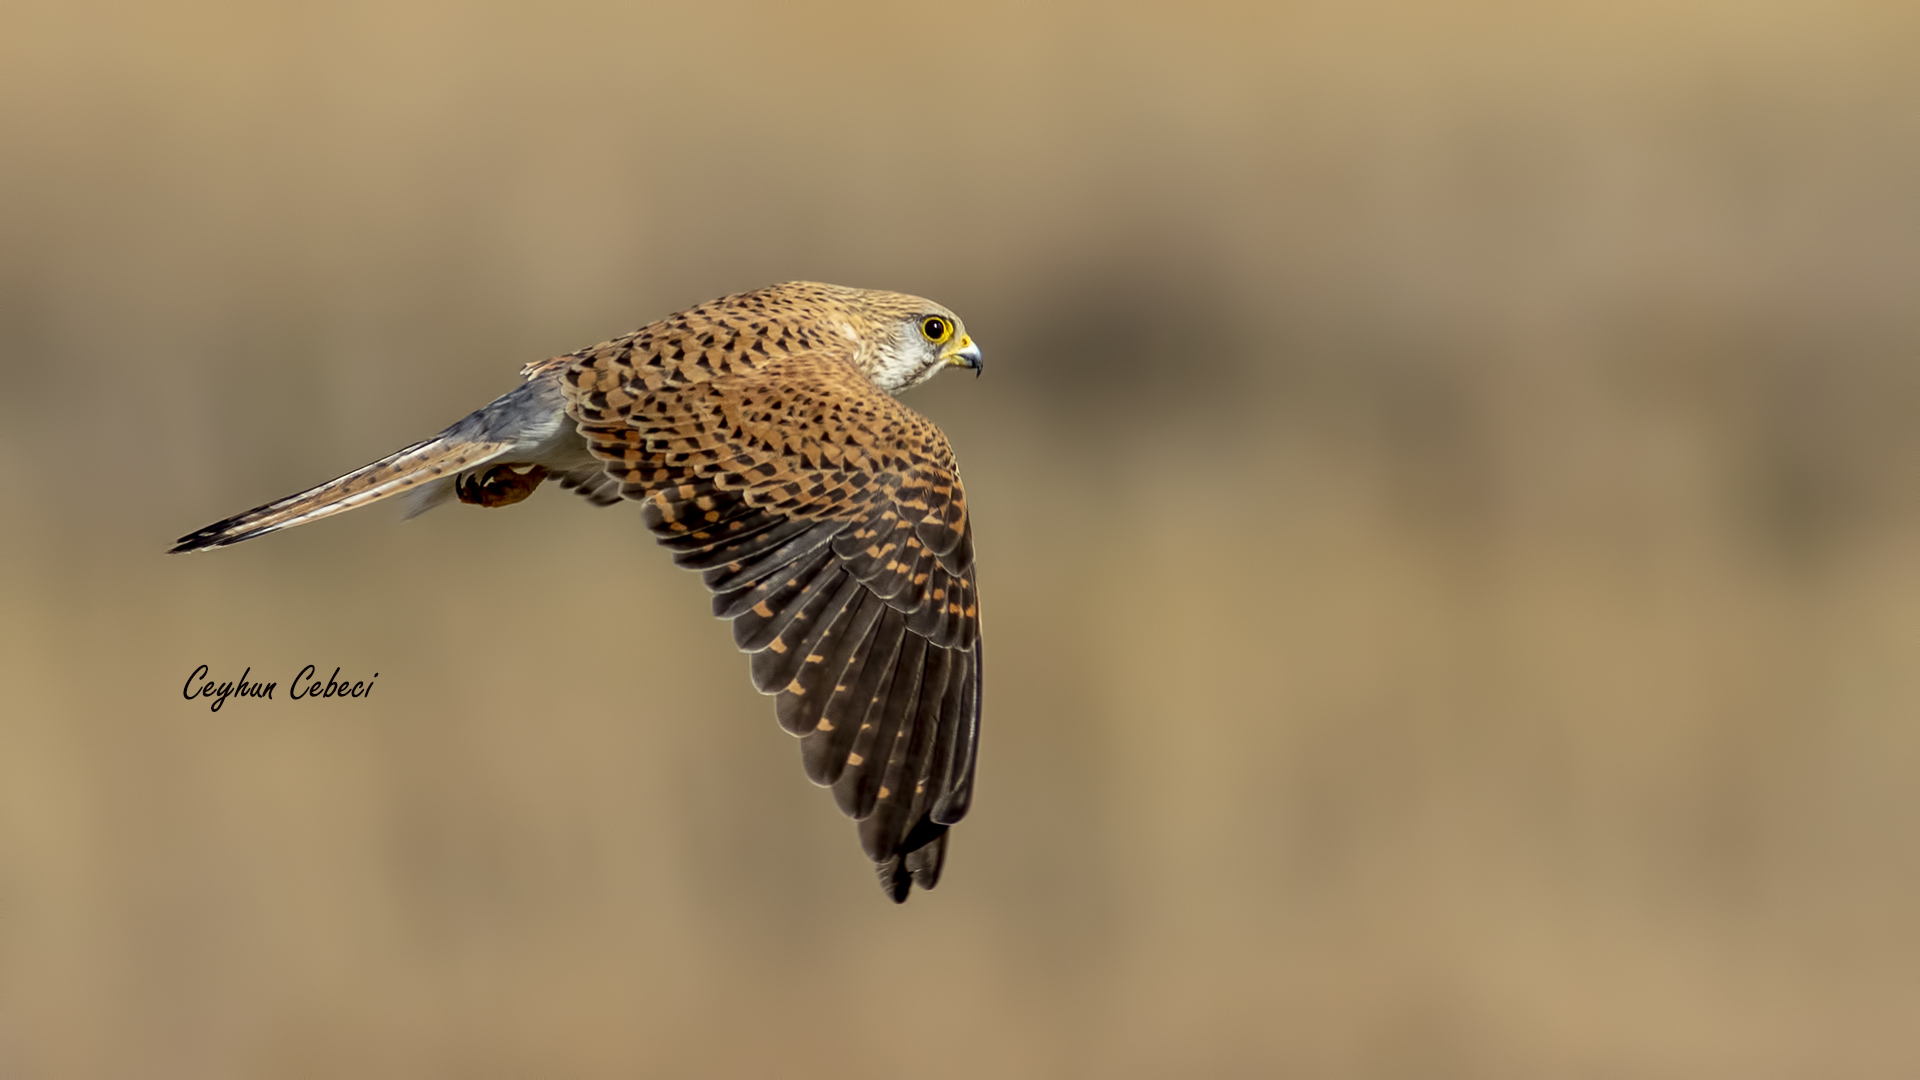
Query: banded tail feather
[(494, 456), (426, 462)]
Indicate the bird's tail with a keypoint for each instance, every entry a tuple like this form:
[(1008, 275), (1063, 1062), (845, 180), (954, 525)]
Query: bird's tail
[(441, 458)]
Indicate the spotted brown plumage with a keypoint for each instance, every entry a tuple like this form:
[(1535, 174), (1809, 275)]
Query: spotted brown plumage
[(761, 438)]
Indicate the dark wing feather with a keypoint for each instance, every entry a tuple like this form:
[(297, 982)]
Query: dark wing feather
[(593, 484), (854, 709), (830, 523), (818, 634), (952, 776), (776, 601), (892, 786)]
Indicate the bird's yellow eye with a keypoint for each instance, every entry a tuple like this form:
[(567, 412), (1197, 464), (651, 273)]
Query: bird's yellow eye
[(936, 328)]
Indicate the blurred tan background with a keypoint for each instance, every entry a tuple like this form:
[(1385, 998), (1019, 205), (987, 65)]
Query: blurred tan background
[(1447, 481)]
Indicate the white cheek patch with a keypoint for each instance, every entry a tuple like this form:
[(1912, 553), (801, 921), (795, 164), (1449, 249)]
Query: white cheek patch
[(898, 370), (903, 362)]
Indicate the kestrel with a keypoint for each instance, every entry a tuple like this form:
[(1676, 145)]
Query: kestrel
[(760, 436)]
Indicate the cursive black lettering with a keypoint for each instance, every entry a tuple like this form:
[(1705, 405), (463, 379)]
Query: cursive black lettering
[(306, 684), (201, 685)]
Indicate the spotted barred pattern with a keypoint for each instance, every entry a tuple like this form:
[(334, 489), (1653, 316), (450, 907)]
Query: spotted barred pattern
[(829, 521)]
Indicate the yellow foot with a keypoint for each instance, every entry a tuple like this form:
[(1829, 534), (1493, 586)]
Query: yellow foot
[(500, 485)]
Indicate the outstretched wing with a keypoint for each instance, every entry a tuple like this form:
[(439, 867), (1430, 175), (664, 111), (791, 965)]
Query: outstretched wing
[(829, 522)]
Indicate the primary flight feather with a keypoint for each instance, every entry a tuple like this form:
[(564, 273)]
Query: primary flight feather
[(760, 436)]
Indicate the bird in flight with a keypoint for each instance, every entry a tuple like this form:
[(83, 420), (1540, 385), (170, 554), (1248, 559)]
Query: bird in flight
[(760, 435)]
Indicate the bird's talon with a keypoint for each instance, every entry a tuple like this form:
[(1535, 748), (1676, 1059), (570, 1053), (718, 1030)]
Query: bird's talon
[(500, 485)]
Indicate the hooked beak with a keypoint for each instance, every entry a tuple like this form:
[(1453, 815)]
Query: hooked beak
[(964, 353)]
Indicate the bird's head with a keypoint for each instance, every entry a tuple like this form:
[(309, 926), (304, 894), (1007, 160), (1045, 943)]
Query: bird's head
[(906, 340)]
